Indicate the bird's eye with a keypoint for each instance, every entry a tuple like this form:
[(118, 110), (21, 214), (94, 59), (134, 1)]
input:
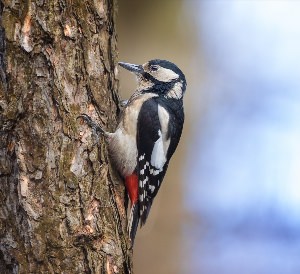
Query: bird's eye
[(153, 68)]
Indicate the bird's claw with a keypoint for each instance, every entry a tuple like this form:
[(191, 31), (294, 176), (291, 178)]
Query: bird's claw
[(91, 123)]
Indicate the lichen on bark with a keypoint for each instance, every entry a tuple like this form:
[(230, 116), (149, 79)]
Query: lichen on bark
[(61, 203)]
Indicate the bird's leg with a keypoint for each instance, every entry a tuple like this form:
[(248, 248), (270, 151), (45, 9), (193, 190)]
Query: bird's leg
[(92, 124)]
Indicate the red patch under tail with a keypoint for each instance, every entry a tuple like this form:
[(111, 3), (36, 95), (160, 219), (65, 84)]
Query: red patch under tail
[(132, 187)]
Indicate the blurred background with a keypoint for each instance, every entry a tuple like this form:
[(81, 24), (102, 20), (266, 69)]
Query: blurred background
[(230, 202)]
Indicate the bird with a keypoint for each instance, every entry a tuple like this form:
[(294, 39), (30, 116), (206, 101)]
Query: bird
[(147, 135)]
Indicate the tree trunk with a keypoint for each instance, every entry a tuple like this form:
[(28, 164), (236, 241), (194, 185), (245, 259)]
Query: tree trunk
[(61, 203)]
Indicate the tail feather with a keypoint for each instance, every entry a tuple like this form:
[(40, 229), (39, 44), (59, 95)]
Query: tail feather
[(145, 212), (133, 221)]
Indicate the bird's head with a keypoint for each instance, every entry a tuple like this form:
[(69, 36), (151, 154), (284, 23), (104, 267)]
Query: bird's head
[(159, 76)]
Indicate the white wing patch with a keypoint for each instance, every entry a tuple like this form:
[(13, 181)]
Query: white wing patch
[(161, 146), (142, 171), (151, 188), (142, 157), (158, 157)]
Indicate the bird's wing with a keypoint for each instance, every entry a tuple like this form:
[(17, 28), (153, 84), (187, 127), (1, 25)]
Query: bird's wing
[(153, 145)]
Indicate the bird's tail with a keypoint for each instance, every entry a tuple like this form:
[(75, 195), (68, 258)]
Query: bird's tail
[(133, 221)]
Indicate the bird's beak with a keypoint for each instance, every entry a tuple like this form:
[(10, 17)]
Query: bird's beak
[(138, 69)]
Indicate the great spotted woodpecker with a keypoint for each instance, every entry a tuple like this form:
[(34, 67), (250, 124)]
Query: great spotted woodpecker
[(147, 135)]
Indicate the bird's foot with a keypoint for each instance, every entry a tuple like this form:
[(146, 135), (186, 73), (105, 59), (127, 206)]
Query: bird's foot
[(92, 124), (123, 103)]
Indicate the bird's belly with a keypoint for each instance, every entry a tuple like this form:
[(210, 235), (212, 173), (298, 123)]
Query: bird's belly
[(123, 146)]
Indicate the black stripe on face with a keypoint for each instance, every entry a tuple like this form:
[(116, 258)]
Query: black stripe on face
[(159, 86)]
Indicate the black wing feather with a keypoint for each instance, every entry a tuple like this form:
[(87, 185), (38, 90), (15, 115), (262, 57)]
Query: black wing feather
[(148, 127), (147, 134)]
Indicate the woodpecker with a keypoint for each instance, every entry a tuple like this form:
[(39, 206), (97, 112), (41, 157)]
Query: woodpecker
[(147, 135)]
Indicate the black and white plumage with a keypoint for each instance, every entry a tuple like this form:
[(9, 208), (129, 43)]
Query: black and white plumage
[(157, 138), (148, 133)]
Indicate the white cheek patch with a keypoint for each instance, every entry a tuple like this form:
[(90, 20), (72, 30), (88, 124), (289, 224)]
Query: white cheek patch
[(176, 92), (165, 75)]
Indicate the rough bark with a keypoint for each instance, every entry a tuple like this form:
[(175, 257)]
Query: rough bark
[(61, 203)]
